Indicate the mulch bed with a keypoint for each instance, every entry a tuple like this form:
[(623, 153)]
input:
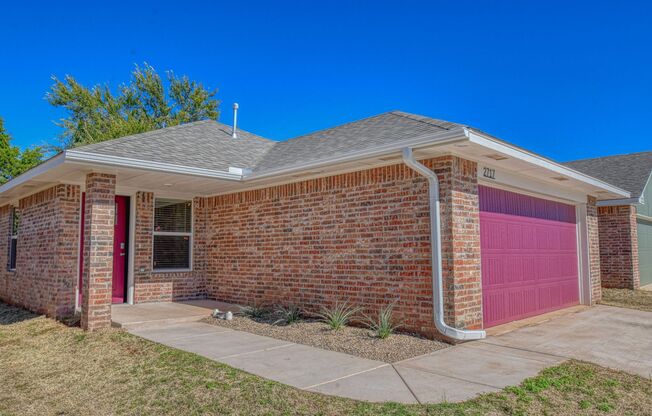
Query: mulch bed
[(350, 340)]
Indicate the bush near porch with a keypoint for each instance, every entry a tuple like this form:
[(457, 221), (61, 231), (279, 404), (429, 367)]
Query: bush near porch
[(48, 368)]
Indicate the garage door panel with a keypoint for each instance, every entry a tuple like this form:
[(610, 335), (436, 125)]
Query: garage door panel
[(531, 267)]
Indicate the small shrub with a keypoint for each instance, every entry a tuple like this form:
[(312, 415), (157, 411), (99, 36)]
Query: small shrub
[(287, 315), (338, 316), (384, 325), (254, 312)]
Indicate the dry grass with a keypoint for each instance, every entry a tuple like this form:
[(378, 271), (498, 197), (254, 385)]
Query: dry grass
[(349, 340), (47, 368), (625, 298)]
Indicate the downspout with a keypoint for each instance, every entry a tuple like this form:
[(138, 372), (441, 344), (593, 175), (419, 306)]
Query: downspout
[(435, 251)]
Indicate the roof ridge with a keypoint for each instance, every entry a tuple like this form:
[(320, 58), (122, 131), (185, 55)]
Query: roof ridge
[(425, 119), (334, 127)]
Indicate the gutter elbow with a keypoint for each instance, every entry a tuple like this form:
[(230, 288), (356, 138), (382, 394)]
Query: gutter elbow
[(435, 249)]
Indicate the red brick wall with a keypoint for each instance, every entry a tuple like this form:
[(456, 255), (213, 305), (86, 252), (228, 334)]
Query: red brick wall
[(619, 247), (5, 234), (594, 249), (48, 243), (362, 237), (99, 226), (152, 286)]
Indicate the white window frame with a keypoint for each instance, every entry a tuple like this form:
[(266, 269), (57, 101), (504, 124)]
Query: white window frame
[(11, 240), (178, 234)]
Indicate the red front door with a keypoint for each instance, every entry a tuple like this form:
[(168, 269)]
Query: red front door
[(120, 248)]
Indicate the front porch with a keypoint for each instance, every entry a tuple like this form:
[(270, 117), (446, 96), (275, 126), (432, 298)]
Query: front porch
[(147, 315)]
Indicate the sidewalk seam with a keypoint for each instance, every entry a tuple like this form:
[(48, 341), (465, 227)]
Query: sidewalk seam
[(344, 377), (406, 384)]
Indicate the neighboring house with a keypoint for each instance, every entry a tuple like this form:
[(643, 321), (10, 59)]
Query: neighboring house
[(344, 213), (625, 224)]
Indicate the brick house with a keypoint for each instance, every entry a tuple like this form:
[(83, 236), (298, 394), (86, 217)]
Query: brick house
[(461, 230), (625, 225)]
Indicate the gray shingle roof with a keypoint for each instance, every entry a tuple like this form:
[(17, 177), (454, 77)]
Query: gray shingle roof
[(209, 145), (368, 133), (203, 144), (629, 172)]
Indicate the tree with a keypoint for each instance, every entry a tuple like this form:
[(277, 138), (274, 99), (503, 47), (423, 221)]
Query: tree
[(96, 114), (13, 162)]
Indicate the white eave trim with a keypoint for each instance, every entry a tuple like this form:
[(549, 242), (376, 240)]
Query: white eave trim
[(125, 162), (505, 148), (32, 173)]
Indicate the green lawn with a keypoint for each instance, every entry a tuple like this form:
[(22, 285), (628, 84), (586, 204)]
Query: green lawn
[(47, 368)]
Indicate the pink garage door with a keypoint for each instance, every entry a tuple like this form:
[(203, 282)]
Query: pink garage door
[(529, 256)]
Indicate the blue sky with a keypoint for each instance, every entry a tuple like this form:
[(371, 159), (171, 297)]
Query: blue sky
[(565, 79)]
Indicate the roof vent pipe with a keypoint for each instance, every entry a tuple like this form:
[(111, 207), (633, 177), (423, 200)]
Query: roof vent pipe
[(235, 121), (435, 252)]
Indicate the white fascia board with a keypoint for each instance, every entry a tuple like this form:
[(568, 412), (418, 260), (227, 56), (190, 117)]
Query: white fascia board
[(419, 141), (125, 162), (35, 171), (517, 153), (615, 202)]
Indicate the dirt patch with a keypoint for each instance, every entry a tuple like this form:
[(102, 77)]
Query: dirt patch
[(625, 298), (349, 340)]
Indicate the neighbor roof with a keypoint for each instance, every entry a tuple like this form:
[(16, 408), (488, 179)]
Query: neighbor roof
[(209, 145), (630, 172)]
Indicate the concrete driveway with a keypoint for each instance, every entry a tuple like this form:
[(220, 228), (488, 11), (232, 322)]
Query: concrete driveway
[(612, 337)]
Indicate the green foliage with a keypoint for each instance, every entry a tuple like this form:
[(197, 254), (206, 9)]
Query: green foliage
[(13, 162), (96, 114), (383, 326), (254, 312), (338, 316), (287, 315)]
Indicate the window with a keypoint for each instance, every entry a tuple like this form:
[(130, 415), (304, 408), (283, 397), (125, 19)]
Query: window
[(13, 244), (172, 234)]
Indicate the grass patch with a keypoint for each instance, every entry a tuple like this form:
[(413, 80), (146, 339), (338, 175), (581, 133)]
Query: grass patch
[(625, 298), (48, 368)]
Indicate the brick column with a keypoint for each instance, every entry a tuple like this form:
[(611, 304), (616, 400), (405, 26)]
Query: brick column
[(619, 247), (98, 251), (460, 221), (594, 249)]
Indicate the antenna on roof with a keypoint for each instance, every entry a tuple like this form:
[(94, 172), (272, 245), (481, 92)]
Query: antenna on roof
[(235, 121)]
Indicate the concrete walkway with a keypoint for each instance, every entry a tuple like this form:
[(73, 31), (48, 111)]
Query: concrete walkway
[(158, 314), (613, 337)]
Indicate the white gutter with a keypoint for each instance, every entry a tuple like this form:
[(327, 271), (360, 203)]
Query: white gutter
[(615, 202), (125, 162), (449, 136), (33, 172), (435, 248), (498, 145), (644, 218)]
